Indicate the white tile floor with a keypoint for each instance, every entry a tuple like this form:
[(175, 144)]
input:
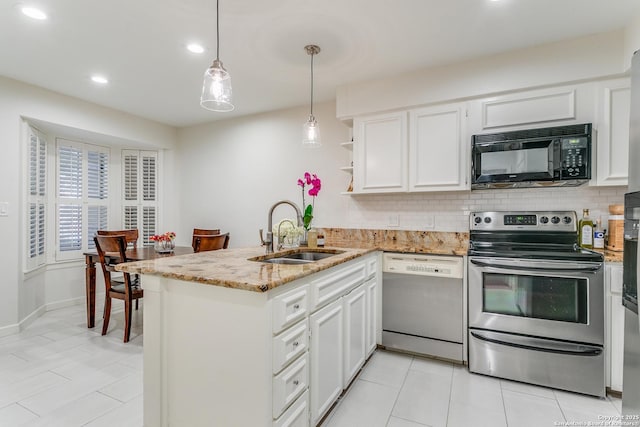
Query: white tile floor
[(398, 390), (59, 373)]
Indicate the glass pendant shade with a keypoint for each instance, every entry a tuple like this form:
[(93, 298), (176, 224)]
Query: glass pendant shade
[(216, 90), (311, 133)]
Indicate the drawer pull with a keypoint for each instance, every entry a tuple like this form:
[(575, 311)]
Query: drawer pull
[(295, 343), (296, 306), (296, 382)]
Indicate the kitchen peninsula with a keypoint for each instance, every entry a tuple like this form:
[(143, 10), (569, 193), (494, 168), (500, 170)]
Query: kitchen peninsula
[(231, 340)]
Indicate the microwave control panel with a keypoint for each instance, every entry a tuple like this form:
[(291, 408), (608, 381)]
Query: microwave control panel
[(575, 157)]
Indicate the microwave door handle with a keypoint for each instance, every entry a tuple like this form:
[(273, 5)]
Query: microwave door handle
[(535, 266), (537, 344)]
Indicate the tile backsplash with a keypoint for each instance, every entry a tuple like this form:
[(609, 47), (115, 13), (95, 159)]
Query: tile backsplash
[(450, 211)]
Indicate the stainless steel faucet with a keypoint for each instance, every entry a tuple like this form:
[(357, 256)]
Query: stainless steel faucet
[(268, 242)]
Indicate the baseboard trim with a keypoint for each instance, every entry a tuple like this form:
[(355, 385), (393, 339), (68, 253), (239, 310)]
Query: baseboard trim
[(35, 314), (65, 303), (32, 317), (9, 330)]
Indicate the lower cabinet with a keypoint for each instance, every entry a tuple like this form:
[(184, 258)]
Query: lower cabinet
[(327, 348), (355, 332), (343, 334), (290, 352), (371, 288)]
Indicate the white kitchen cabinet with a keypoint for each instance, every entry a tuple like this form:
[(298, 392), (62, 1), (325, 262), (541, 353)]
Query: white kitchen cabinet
[(355, 332), (327, 354), (429, 155), (533, 108), (614, 326), (438, 156), (284, 350), (371, 287), (612, 161), (380, 153)]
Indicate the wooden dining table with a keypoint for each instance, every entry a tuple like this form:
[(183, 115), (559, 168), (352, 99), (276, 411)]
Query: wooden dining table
[(133, 254)]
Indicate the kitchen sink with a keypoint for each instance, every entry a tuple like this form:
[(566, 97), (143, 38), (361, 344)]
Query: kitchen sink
[(309, 256), (301, 256)]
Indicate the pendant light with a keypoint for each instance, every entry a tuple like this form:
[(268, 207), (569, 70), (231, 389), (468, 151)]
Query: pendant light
[(311, 130), (216, 90)]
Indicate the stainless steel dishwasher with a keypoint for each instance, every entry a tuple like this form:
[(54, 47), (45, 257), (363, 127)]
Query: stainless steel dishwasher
[(422, 304)]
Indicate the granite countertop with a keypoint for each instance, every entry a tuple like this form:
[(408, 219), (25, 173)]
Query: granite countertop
[(232, 268), (610, 256)]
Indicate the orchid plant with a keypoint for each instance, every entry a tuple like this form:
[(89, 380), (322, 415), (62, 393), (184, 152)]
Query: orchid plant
[(314, 182)]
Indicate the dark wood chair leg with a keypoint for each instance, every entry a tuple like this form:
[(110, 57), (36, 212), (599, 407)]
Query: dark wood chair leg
[(107, 314), (127, 319)]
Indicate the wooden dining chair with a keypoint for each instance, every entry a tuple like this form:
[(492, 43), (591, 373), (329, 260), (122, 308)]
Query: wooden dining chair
[(202, 232), (111, 251), (131, 235), (214, 242)]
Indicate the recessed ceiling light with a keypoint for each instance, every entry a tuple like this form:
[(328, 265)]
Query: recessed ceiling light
[(195, 48), (99, 79), (33, 12)]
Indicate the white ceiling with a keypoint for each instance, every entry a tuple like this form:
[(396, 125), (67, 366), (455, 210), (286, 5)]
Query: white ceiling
[(140, 45)]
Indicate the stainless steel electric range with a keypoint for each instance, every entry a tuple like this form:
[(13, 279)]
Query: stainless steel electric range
[(536, 301)]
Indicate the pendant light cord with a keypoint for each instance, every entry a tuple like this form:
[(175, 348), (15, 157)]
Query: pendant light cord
[(312, 84), (218, 29)]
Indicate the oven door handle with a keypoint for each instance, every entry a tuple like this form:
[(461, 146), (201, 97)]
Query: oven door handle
[(537, 344), (508, 264)]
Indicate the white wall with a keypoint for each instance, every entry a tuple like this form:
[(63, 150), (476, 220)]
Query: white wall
[(590, 57), (232, 171), (20, 297)]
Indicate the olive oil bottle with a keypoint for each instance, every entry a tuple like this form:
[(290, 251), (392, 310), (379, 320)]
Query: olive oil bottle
[(585, 230)]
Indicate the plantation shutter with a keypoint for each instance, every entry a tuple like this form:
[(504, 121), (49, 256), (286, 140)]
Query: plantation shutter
[(140, 192), (83, 192), (36, 200), (98, 193), (70, 198)]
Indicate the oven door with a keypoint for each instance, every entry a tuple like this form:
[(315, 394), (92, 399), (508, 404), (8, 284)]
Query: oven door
[(561, 300), (516, 161)]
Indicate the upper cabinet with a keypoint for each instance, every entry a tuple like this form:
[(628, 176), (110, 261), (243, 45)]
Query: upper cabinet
[(426, 154), (428, 149), (438, 155), (613, 132), (380, 153)]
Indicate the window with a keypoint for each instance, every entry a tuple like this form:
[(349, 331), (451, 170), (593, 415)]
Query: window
[(82, 196), (140, 197), (36, 200)]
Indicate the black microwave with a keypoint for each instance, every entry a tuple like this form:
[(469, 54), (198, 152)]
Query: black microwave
[(541, 157)]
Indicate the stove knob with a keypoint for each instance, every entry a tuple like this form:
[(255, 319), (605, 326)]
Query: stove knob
[(477, 220), (555, 220), (566, 220), (487, 220), (544, 219)]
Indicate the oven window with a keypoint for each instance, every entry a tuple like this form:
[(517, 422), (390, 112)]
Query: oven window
[(552, 298), (515, 162)]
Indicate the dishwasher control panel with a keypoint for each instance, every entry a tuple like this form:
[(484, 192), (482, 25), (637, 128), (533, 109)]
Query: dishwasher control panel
[(423, 265)]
